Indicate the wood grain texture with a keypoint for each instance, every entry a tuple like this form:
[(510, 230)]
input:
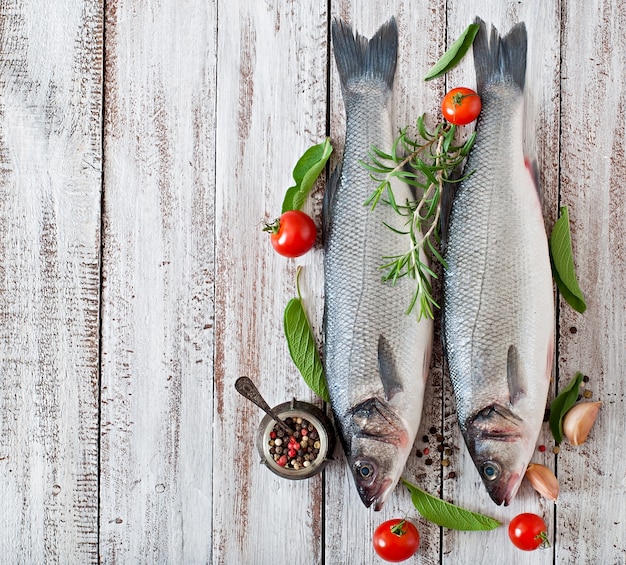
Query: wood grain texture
[(147, 224), (50, 167), (157, 311), (593, 168), (271, 107)]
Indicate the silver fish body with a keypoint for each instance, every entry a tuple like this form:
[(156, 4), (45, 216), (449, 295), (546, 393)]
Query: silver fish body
[(498, 322), (376, 357)]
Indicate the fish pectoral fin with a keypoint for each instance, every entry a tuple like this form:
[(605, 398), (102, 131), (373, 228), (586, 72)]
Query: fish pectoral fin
[(387, 369), (514, 375)]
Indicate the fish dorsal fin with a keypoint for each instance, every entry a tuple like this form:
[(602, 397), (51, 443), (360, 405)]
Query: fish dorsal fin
[(387, 369), (514, 375), (330, 196)]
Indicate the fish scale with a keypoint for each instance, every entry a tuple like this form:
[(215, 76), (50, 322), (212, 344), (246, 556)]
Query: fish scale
[(376, 357), (498, 323)]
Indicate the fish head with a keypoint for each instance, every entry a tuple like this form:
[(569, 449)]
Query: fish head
[(377, 444), (498, 443)]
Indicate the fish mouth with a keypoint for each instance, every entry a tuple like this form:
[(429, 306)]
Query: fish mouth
[(376, 497), (506, 491)]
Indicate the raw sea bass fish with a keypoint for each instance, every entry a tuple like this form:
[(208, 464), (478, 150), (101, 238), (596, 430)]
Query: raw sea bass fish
[(498, 296), (376, 357)]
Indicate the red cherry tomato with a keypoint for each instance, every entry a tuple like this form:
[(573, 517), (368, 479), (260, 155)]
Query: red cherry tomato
[(396, 540), (461, 106), (528, 532), (293, 234)]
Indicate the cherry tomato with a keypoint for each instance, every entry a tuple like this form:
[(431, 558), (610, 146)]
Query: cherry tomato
[(461, 106), (528, 531), (396, 540), (293, 234)]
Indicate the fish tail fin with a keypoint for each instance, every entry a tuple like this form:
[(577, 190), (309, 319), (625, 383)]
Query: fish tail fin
[(499, 58), (360, 60)]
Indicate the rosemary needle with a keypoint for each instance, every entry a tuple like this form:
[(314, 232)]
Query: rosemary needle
[(427, 163)]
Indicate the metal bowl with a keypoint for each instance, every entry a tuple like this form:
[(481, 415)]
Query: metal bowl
[(306, 411)]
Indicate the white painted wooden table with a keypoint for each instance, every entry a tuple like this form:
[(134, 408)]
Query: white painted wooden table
[(142, 147)]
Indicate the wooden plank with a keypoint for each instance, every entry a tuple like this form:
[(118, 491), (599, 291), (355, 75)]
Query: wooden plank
[(591, 513), (271, 107), (157, 315), (50, 168), (542, 21), (349, 525)]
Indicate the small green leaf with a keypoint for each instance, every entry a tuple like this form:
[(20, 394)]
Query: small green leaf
[(453, 56), (448, 515), (303, 349), (561, 404), (563, 263), (305, 173)]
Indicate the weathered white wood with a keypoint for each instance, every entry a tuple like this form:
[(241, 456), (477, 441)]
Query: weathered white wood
[(349, 525), (591, 517), (207, 108), (271, 107), (50, 166), (157, 311)]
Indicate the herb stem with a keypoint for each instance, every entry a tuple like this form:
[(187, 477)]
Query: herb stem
[(431, 160)]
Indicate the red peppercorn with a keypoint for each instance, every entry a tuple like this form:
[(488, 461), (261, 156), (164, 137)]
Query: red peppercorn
[(292, 453), (426, 451), (273, 435), (304, 432), (282, 461), (542, 448)]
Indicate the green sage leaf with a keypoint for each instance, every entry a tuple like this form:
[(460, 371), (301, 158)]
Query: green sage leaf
[(305, 173), (563, 263), (303, 349), (448, 515), (453, 56), (561, 404)]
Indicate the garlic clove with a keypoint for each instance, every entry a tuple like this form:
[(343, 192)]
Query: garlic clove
[(579, 420), (543, 481)]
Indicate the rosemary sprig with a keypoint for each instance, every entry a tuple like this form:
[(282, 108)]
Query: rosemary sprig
[(426, 162)]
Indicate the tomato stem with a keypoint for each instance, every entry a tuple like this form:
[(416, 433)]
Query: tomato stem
[(274, 227), (545, 542), (398, 529), (458, 98)]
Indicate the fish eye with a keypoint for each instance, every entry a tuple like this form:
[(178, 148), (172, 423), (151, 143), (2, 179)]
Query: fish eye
[(490, 470), (364, 469)]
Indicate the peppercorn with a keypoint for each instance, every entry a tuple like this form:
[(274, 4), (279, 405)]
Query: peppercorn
[(587, 394), (291, 453), (428, 461), (433, 430), (445, 462), (452, 475), (418, 453), (425, 439)]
